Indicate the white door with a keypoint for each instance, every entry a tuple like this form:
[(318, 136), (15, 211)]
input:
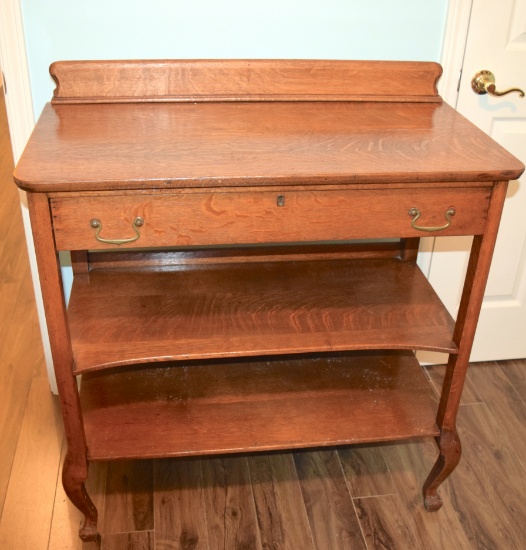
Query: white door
[(496, 42)]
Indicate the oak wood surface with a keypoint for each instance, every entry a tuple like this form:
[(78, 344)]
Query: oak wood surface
[(64, 531), (195, 219), (233, 407), (254, 309), (127, 148), (472, 516), (190, 256), (468, 519), (166, 146), (243, 80), (469, 309), (75, 469)]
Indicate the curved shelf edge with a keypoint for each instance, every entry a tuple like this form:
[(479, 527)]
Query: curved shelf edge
[(253, 309), (118, 359)]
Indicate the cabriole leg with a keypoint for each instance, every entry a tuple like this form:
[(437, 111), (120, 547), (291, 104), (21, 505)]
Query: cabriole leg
[(73, 478), (464, 333), (450, 451), (75, 470)]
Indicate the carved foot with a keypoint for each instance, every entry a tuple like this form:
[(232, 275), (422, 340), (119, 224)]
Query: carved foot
[(432, 503), (450, 451), (88, 532), (73, 477)]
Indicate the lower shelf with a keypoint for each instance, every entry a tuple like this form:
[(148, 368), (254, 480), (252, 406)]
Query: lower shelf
[(176, 409)]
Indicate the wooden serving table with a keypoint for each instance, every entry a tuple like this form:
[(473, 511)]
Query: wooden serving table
[(220, 301)]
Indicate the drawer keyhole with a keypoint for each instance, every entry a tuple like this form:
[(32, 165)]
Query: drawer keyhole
[(281, 200)]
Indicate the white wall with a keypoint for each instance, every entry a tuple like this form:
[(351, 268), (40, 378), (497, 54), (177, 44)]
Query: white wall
[(317, 29)]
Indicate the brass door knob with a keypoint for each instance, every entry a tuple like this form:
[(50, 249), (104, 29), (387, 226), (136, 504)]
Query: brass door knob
[(484, 83)]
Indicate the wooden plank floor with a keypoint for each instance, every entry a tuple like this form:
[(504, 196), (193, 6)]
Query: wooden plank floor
[(353, 498)]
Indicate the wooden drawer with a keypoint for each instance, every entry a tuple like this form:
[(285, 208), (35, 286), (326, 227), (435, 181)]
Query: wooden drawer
[(210, 218)]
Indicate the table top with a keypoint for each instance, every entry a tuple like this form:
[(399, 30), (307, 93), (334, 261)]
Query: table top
[(166, 145)]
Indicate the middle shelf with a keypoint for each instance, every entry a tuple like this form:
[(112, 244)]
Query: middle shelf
[(224, 310)]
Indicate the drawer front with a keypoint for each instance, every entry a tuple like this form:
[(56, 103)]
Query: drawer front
[(192, 219)]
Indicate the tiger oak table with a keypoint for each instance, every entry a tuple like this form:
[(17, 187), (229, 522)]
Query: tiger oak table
[(220, 301)]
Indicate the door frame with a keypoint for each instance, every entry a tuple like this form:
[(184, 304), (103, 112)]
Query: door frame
[(14, 63), (452, 58)]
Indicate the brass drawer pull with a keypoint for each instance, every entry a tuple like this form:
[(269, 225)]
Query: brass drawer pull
[(415, 213), (97, 224)]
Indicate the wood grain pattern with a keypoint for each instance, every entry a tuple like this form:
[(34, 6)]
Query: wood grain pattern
[(366, 471), (466, 521), (143, 540), (242, 80), (161, 259), (515, 373), (495, 486), (235, 407), (64, 534), (230, 507), (167, 146), (254, 309), (316, 152), (180, 510), (386, 524), (465, 326), (21, 353), (282, 518), (483, 508), (408, 465), (131, 478), (329, 506), (437, 373), (38, 435), (194, 219), (502, 389), (75, 470)]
